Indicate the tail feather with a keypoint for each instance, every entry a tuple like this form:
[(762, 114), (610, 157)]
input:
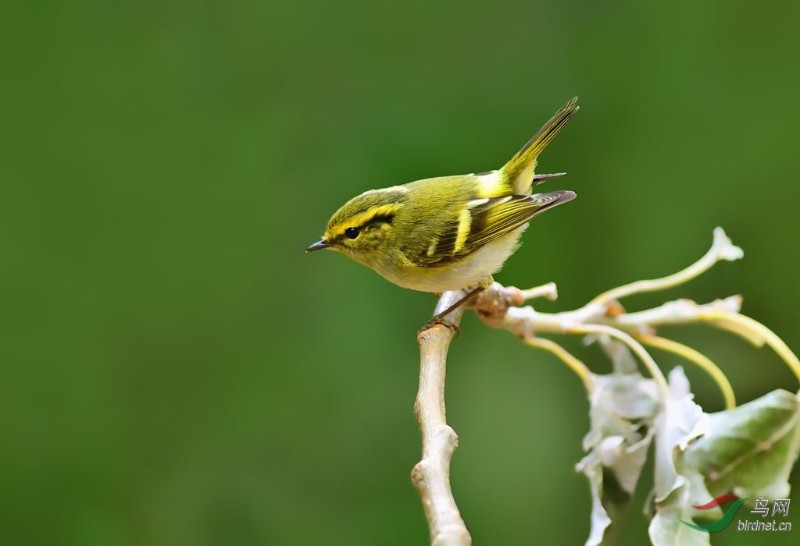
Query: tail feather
[(539, 178), (519, 169)]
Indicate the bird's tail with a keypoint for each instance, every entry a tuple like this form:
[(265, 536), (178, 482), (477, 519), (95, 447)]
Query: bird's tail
[(519, 170)]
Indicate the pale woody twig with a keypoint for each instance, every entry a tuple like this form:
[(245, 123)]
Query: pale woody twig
[(548, 291), (721, 249), (525, 321), (756, 332), (574, 364), (695, 357), (633, 345), (431, 475), (675, 312)]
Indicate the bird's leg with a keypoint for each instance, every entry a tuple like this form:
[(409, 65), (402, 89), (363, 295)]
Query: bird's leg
[(439, 319)]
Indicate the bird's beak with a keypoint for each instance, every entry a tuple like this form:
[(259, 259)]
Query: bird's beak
[(319, 245)]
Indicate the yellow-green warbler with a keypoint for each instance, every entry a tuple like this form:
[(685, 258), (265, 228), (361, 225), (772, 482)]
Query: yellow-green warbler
[(451, 232)]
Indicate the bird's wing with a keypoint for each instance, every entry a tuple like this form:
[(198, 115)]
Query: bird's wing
[(486, 220)]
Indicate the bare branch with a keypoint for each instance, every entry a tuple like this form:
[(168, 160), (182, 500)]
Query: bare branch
[(431, 475), (698, 358), (573, 363), (635, 346), (721, 249), (500, 308), (675, 312), (548, 291), (755, 331)]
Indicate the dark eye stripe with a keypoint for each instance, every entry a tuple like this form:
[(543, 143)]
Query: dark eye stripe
[(380, 218), (352, 232), (377, 219)]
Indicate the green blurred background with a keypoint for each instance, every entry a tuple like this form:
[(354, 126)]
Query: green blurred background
[(176, 371)]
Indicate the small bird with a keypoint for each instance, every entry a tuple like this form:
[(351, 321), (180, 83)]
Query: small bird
[(450, 232)]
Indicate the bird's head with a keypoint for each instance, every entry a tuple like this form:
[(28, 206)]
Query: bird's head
[(360, 227)]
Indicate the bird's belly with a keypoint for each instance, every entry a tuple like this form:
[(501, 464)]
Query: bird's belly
[(479, 265)]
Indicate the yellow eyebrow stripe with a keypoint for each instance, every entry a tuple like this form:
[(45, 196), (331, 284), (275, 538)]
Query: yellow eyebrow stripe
[(464, 225), (362, 218)]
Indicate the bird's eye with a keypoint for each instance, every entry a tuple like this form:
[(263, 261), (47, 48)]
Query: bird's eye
[(351, 232)]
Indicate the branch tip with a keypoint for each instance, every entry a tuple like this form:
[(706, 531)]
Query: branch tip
[(548, 291), (724, 247)]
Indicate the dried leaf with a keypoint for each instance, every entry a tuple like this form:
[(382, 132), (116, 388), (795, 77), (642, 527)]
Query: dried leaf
[(623, 406), (667, 527)]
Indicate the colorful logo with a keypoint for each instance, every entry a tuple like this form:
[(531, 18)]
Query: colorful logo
[(725, 520)]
